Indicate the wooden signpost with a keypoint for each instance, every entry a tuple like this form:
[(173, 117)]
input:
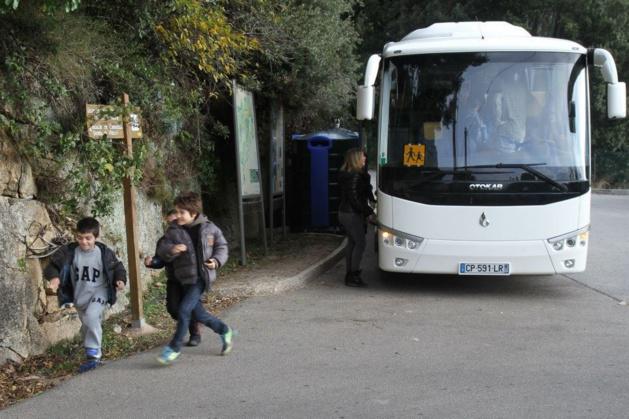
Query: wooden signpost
[(101, 123)]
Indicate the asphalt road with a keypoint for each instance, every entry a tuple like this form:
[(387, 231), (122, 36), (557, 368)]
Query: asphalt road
[(608, 259), (435, 347)]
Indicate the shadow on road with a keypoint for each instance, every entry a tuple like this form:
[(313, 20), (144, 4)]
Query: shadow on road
[(547, 286)]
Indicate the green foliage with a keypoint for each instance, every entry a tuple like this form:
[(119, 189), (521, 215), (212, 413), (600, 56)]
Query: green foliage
[(197, 34), (307, 56), (41, 85), (154, 298), (49, 75), (96, 172), (176, 59)]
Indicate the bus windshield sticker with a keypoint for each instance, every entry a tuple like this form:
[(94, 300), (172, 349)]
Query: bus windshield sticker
[(414, 155)]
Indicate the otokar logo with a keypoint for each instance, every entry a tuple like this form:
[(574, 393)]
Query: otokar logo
[(486, 187)]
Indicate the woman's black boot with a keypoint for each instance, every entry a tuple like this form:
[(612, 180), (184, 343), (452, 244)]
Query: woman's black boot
[(354, 280), (359, 279), (349, 279)]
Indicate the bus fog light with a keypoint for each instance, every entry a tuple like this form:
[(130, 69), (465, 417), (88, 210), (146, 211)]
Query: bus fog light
[(400, 261), (558, 245), (411, 245), (571, 242), (399, 242), (569, 263)]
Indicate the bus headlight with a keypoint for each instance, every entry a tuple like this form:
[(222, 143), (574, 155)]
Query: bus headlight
[(583, 238), (386, 238), (570, 240), (395, 238), (558, 245)]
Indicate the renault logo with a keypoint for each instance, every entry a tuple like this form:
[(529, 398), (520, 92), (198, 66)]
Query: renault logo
[(483, 221)]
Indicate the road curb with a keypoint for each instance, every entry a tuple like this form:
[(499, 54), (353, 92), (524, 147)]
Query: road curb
[(273, 286), (611, 191)]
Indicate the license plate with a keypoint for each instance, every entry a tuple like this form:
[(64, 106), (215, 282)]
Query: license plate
[(484, 268)]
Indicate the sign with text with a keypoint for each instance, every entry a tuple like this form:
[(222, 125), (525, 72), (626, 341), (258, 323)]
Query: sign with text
[(102, 121)]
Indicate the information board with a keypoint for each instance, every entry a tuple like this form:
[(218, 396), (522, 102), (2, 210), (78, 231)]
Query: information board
[(246, 142), (277, 148)]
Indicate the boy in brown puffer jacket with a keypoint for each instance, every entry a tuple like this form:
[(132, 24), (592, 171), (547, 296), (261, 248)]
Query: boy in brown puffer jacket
[(196, 248), (174, 289)]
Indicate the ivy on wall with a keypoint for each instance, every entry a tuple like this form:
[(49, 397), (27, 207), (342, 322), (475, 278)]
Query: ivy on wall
[(175, 58)]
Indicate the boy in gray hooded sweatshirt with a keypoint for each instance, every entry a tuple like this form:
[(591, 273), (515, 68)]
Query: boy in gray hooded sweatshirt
[(87, 274), (196, 248)]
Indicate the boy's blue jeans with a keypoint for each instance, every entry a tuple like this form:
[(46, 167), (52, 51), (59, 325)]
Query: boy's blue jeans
[(190, 304)]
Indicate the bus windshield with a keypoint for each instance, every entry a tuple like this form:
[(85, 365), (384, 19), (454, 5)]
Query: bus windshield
[(484, 117)]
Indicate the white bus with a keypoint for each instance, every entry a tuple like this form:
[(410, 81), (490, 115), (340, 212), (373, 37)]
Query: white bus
[(484, 149)]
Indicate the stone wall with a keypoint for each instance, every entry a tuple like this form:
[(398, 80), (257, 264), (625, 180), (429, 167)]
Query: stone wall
[(24, 301), (30, 320), (149, 228)]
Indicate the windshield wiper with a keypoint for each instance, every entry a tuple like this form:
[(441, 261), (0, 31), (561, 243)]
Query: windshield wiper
[(526, 167)]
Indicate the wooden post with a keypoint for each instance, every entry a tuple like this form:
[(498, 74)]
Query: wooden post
[(137, 310)]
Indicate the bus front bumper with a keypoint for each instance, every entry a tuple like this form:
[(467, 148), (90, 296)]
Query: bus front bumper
[(534, 257)]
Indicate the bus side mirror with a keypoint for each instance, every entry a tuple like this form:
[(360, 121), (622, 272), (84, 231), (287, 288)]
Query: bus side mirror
[(366, 94), (365, 102), (617, 100), (616, 91)]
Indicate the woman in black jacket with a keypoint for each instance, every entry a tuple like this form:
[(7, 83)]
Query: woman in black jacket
[(354, 210)]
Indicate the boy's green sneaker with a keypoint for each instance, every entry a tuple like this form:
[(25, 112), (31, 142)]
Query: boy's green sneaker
[(167, 356), (227, 339)]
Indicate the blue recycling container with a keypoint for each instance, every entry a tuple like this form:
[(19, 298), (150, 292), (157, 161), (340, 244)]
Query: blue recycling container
[(316, 159), (319, 148)]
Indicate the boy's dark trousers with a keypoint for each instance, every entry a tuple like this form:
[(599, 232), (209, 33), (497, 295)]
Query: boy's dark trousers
[(191, 305), (174, 295)]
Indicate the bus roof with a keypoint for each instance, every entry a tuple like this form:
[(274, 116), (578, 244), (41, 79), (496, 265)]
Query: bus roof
[(476, 37)]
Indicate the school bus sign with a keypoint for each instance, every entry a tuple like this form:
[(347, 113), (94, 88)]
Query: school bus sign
[(101, 121), (414, 155)]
